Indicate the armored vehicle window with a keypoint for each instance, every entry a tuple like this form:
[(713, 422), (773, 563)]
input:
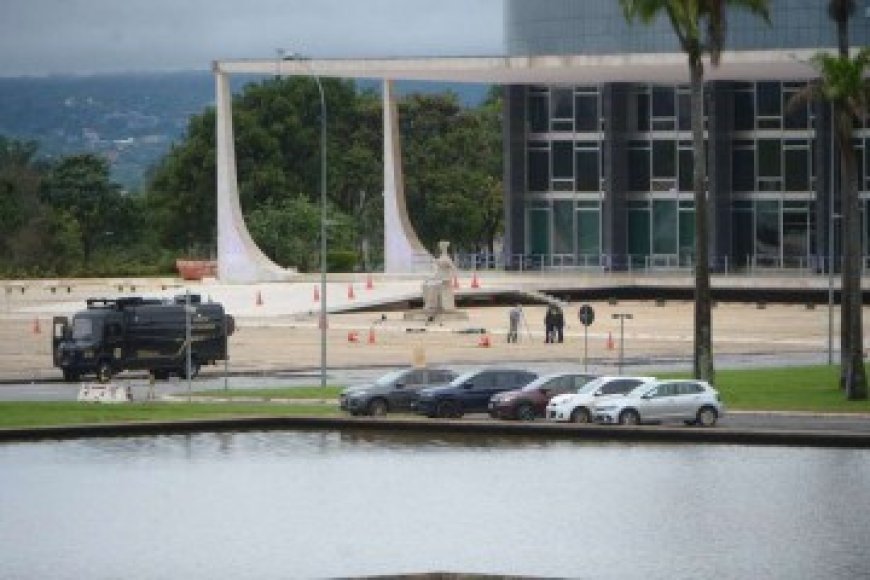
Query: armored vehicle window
[(83, 328)]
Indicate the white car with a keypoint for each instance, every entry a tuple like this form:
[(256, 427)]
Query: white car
[(693, 402), (577, 407)]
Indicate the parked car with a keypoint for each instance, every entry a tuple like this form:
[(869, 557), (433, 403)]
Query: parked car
[(531, 401), (694, 402), (470, 392), (577, 407), (395, 391)]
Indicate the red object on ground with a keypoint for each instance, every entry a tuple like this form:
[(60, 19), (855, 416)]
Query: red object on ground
[(36, 329), (609, 341), (350, 294), (316, 294), (484, 341), (475, 283), (196, 269), (369, 283), (455, 282), (371, 336), (352, 336), (259, 301)]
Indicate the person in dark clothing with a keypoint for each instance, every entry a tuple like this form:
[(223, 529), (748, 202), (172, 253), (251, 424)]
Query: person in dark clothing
[(558, 323), (550, 324)]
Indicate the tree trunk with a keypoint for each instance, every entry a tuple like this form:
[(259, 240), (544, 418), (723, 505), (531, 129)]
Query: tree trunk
[(852, 360), (703, 344)]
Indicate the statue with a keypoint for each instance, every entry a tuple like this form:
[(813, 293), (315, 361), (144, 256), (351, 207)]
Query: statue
[(438, 298)]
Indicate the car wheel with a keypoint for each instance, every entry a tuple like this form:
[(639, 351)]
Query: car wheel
[(104, 372), (580, 415), (707, 417), (525, 412), (448, 410), (377, 408), (629, 417)]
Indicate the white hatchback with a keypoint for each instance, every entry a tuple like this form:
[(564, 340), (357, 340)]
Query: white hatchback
[(577, 406), (693, 402)]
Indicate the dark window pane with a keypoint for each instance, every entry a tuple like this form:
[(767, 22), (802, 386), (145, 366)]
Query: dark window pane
[(588, 233), (563, 162), (767, 229), (796, 117), (797, 170), (638, 170), (687, 164), (664, 158), (744, 111), (643, 112), (769, 99), (586, 113), (743, 170), (588, 172), (663, 102), (563, 103), (539, 116), (795, 234), (687, 233), (539, 170), (685, 112), (563, 227), (664, 227), (539, 232), (769, 158), (638, 232), (741, 237)]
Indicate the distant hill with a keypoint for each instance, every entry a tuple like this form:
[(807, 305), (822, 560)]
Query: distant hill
[(132, 119)]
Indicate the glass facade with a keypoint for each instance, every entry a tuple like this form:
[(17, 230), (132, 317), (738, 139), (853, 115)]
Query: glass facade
[(610, 181)]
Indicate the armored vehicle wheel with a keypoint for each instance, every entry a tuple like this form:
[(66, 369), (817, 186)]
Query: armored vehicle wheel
[(70, 376)]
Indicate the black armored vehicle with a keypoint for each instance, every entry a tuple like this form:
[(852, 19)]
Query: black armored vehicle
[(134, 333)]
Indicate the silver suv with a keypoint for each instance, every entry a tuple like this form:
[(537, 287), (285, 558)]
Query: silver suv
[(693, 402), (395, 391)]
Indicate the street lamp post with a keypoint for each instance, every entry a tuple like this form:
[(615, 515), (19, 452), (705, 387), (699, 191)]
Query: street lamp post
[(622, 317), (296, 57)]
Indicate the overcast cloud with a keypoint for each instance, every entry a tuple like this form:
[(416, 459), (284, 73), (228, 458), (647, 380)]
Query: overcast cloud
[(40, 37)]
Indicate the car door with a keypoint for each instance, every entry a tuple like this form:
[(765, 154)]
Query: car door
[(661, 403), (404, 390), (687, 399), (483, 386)]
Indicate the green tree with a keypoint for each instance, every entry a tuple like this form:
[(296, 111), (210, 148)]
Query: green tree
[(687, 19), (81, 186)]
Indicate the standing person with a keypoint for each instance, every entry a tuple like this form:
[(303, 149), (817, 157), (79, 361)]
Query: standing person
[(559, 322), (549, 324), (514, 316)]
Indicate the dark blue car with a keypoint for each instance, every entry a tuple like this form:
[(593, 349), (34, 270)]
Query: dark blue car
[(470, 392)]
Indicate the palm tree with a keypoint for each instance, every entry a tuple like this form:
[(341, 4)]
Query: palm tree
[(842, 84), (687, 18)]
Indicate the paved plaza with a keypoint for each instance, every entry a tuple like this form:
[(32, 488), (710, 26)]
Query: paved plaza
[(277, 325)]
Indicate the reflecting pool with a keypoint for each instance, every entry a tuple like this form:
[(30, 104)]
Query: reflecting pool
[(326, 504)]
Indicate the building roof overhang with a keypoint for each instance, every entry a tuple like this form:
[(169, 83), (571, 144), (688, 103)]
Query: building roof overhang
[(648, 67)]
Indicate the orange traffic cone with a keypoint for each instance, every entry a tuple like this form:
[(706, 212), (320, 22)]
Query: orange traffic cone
[(369, 283), (316, 294), (350, 294), (36, 329), (259, 301), (371, 335), (455, 282), (484, 341), (352, 336), (609, 341), (475, 283)]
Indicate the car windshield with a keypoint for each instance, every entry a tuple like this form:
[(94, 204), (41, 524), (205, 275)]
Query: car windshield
[(539, 382), (463, 378), (390, 378), (83, 328), (591, 386)]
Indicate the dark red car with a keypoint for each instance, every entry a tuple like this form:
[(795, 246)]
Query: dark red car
[(531, 401)]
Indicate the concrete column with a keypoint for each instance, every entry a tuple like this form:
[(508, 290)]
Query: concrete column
[(403, 251), (239, 258)]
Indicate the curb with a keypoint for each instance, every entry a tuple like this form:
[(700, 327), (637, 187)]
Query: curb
[(467, 427)]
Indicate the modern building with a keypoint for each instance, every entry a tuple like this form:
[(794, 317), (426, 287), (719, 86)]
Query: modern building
[(599, 174), (598, 152)]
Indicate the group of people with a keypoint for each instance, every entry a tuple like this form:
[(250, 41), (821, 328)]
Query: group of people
[(554, 323)]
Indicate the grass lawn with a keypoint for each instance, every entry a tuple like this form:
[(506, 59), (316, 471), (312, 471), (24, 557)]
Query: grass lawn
[(811, 388), (32, 414)]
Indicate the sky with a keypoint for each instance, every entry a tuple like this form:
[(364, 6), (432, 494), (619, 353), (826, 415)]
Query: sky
[(40, 37)]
